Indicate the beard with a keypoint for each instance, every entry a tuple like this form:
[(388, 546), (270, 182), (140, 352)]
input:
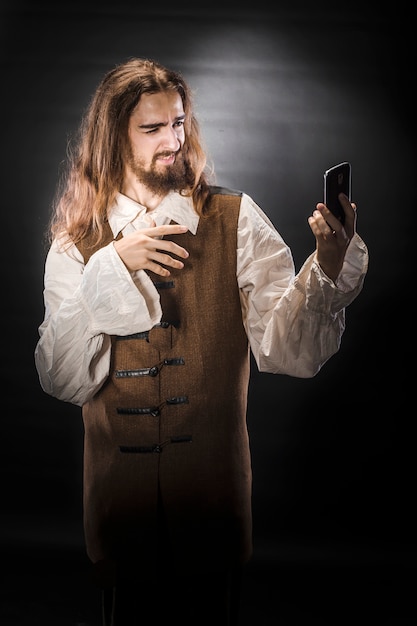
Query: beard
[(175, 177)]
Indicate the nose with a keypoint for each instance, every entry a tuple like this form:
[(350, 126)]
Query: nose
[(171, 139)]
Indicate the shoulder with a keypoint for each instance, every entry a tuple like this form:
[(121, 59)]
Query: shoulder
[(216, 190), (224, 203), (91, 242), (244, 205)]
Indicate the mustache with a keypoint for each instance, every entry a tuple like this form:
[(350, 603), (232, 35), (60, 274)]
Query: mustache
[(166, 153)]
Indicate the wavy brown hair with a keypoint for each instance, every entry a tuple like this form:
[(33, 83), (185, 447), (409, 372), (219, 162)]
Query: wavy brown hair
[(95, 165)]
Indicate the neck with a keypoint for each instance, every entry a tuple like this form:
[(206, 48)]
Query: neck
[(137, 191), (142, 195)]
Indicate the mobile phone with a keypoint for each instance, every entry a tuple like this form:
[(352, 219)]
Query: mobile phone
[(337, 179)]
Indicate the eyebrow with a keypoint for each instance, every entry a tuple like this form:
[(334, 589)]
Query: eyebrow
[(160, 124)]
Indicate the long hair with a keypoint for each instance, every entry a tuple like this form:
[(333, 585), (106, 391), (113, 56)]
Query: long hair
[(95, 164)]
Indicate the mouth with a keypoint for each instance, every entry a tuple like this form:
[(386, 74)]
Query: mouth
[(166, 158)]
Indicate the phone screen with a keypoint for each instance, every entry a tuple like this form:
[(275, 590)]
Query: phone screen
[(337, 179)]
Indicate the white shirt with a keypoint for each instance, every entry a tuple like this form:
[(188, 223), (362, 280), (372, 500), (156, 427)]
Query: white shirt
[(294, 323)]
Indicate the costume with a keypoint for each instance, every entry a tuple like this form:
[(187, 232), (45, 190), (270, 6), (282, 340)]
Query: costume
[(170, 421), (160, 368)]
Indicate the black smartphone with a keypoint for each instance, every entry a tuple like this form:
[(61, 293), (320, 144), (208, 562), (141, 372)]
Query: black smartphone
[(337, 179)]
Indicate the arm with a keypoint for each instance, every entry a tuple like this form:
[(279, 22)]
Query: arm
[(294, 322), (84, 306)]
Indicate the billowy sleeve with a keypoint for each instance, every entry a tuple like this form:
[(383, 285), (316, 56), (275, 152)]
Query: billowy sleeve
[(294, 322), (84, 306)]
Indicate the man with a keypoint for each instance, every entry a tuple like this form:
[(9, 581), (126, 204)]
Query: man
[(156, 286)]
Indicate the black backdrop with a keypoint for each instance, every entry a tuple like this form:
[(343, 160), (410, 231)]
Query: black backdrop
[(282, 94)]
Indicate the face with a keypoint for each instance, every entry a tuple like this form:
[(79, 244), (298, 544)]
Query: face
[(156, 134)]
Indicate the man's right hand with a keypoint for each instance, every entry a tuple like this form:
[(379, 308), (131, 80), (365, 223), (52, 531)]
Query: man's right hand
[(146, 249)]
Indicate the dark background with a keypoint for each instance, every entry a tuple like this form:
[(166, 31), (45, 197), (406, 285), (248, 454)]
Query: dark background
[(282, 93)]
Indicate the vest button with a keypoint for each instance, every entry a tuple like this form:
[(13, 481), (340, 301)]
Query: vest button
[(154, 371)]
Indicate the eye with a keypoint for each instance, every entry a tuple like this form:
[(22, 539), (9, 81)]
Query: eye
[(179, 123), (152, 131)]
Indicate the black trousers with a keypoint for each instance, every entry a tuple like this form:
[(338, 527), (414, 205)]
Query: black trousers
[(203, 599), (202, 596)]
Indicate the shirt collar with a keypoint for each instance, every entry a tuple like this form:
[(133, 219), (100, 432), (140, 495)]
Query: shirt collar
[(173, 207)]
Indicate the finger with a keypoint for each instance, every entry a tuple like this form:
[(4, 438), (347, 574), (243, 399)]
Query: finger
[(328, 221), (160, 263), (321, 229), (156, 268), (315, 227), (165, 245), (167, 260), (165, 229)]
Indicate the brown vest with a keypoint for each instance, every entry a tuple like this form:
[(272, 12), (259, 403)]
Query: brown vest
[(169, 425)]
